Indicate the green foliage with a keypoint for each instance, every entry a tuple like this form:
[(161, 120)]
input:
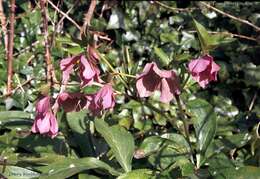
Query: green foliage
[(120, 141), (142, 137)]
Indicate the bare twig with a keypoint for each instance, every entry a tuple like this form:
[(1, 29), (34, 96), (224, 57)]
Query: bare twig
[(64, 14), (88, 15), (173, 8), (252, 102), (231, 16), (27, 48), (50, 70), (4, 26), (229, 34), (10, 49), (57, 26), (18, 86)]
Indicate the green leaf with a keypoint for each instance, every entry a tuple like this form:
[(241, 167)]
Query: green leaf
[(164, 59), (120, 141), (165, 150), (248, 172), (68, 167), (204, 120), (79, 127), (203, 35), (14, 172), (209, 42), (137, 174), (74, 50), (6, 115)]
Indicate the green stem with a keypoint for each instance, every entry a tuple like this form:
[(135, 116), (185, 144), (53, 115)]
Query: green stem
[(186, 125), (124, 74), (112, 68)]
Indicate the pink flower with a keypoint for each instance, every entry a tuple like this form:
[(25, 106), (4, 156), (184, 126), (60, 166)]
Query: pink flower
[(204, 70), (88, 70), (45, 121), (92, 55), (72, 101), (103, 99), (153, 79)]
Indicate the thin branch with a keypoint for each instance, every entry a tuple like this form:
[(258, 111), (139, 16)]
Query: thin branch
[(10, 49), (57, 26), (88, 16), (18, 86), (4, 26), (50, 70), (27, 48), (64, 14), (174, 8), (229, 34), (231, 16)]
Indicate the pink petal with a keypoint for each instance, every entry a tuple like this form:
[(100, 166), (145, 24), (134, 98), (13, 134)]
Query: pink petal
[(173, 83), (147, 68), (141, 89), (34, 128), (43, 105), (147, 83), (108, 99), (54, 126), (166, 94), (66, 66), (44, 125), (214, 67), (198, 66), (88, 71), (203, 83)]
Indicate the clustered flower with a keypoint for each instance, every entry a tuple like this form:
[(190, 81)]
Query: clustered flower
[(45, 121), (202, 69)]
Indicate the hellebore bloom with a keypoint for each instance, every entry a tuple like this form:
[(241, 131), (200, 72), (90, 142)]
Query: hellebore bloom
[(103, 99), (89, 72), (45, 121), (204, 70), (72, 101), (153, 79)]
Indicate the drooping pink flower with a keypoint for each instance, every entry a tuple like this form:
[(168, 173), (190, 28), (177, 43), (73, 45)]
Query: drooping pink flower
[(88, 70), (153, 79), (72, 101), (204, 70), (102, 100), (45, 121)]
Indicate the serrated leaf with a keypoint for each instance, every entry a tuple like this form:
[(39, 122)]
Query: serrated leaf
[(120, 141)]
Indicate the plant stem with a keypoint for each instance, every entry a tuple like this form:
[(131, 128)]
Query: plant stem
[(10, 49), (4, 26), (112, 68), (124, 74), (50, 70), (186, 125)]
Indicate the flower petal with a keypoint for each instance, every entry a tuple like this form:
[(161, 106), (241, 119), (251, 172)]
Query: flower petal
[(44, 126), (43, 105), (166, 94)]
